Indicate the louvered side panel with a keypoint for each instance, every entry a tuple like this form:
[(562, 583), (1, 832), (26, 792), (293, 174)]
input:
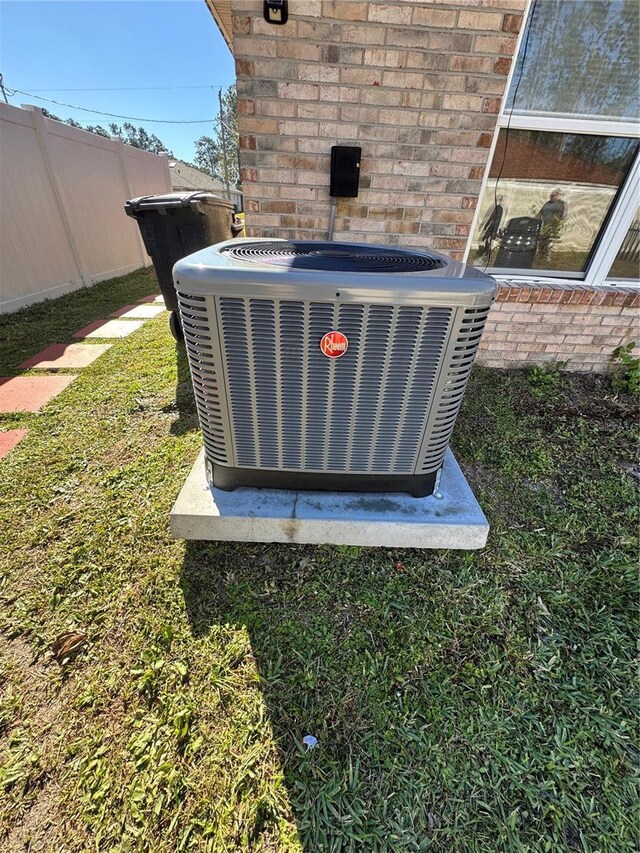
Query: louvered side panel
[(292, 408), (342, 385), (425, 360), (315, 427), (293, 382), (401, 354), (238, 357), (206, 374), (460, 357)]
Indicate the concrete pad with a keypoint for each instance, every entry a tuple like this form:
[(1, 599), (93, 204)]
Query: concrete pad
[(65, 355), (108, 329), (451, 520), (138, 312), (30, 393), (152, 297), (9, 439)]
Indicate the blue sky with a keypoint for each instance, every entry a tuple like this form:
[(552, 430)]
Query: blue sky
[(95, 45)]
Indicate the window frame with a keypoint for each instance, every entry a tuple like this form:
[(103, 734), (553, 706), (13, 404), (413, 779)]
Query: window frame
[(622, 213)]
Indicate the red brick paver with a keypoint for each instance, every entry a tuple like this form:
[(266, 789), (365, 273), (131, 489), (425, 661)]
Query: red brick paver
[(152, 297), (138, 312), (108, 329), (30, 393), (65, 355), (9, 439)]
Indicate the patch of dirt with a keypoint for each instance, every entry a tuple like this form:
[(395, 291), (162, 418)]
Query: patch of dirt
[(37, 831), (42, 707), (480, 476), (32, 680)]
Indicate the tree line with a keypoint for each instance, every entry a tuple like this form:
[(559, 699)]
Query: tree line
[(216, 155)]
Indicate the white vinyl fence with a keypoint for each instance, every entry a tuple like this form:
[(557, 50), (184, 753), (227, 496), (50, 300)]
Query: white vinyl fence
[(62, 191)]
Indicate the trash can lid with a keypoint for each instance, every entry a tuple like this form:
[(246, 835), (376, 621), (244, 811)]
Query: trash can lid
[(172, 200)]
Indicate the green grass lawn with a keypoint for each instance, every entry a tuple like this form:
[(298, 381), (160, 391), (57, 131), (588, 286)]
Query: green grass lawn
[(462, 701)]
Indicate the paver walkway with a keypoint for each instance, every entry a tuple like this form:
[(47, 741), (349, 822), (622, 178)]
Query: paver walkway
[(138, 312), (108, 329), (9, 438), (65, 355), (30, 393)]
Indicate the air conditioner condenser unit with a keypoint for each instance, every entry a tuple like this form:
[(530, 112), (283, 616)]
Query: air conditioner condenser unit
[(330, 366)]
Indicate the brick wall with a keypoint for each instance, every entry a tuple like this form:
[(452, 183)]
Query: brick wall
[(575, 324), (417, 84)]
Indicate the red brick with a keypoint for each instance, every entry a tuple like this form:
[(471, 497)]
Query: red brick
[(247, 142), (511, 23), (242, 25), (484, 140), (278, 207), (9, 439), (545, 294), (502, 66), (469, 202), (622, 299), (491, 105), (633, 300), (244, 68), (30, 393), (248, 174), (474, 64), (449, 243), (246, 107)]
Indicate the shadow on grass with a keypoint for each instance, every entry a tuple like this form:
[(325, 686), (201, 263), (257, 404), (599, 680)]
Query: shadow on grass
[(330, 632), (457, 698), (185, 401)]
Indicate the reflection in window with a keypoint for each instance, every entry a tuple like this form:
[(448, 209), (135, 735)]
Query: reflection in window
[(582, 60), (547, 198), (627, 262)]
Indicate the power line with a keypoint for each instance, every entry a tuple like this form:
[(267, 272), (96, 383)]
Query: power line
[(109, 115), (129, 89)]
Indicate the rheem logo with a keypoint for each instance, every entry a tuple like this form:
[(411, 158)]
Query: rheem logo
[(334, 344)]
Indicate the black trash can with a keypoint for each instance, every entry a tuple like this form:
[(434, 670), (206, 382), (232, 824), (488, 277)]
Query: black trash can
[(175, 225), (519, 243)]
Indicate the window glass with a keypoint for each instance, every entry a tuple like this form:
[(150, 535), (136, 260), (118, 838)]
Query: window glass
[(582, 60), (547, 198), (627, 262)]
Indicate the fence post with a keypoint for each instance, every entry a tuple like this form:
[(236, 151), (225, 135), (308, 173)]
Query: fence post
[(63, 209), (144, 260)]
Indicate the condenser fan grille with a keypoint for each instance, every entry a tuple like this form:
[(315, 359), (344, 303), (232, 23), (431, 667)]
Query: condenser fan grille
[(332, 257)]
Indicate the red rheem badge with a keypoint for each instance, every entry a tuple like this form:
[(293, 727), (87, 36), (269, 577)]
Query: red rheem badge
[(334, 344)]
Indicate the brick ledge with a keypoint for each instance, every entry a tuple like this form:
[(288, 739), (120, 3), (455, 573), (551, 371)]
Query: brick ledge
[(573, 294)]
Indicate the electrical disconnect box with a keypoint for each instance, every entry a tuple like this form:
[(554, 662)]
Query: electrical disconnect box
[(345, 171)]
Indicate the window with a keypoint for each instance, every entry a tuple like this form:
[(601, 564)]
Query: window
[(557, 187), (566, 159), (627, 262), (582, 60)]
